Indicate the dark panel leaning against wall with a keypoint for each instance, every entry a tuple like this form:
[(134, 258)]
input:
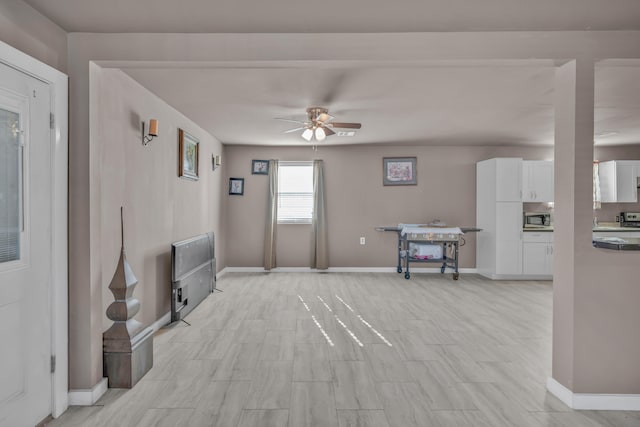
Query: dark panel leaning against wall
[(357, 201)]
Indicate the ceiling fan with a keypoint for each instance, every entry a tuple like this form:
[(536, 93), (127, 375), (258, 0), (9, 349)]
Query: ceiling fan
[(319, 124)]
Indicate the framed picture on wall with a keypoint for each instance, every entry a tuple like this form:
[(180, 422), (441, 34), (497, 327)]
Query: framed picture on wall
[(236, 186), (399, 171), (188, 155), (260, 167)]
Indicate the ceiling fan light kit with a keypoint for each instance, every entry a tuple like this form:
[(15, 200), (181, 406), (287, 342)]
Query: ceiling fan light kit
[(307, 134), (319, 125)]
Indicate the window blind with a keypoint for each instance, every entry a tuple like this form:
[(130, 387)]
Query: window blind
[(10, 187), (295, 192)]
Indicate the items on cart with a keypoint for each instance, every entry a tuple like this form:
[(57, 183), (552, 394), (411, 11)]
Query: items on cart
[(422, 251)]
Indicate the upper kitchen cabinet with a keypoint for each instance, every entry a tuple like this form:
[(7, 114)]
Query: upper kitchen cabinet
[(504, 175), (537, 181), (619, 181)]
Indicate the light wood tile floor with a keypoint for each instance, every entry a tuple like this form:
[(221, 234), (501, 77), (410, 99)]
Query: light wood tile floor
[(392, 352)]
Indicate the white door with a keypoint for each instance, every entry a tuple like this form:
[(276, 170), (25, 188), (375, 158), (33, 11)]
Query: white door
[(25, 249)]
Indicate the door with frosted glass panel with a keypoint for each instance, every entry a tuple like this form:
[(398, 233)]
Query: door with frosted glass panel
[(25, 249)]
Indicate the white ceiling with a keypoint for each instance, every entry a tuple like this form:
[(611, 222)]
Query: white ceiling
[(338, 16), (463, 103)]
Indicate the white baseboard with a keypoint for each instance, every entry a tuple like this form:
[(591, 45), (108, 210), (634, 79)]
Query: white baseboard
[(336, 270), (163, 321), (88, 397), (593, 401)]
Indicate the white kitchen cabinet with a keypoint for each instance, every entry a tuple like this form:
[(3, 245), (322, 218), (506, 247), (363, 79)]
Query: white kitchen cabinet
[(499, 215), (508, 238), (618, 181), (537, 254), (508, 179), (537, 181)]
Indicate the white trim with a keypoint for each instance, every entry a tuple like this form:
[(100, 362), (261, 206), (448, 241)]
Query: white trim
[(241, 270), (516, 276), (337, 270), (163, 321), (58, 83), (88, 397), (561, 392), (593, 401)]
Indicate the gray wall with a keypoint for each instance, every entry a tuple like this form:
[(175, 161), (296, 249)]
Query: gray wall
[(27, 30), (159, 207), (248, 48), (357, 201)]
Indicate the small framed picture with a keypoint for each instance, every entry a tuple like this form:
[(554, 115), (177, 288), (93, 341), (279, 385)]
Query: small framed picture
[(188, 153), (260, 167), (236, 186), (399, 171)]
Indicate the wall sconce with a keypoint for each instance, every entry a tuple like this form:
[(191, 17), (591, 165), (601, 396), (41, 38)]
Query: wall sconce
[(216, 162), (153, 132)]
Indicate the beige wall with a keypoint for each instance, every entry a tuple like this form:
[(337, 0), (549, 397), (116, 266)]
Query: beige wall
[(357, 201), (311, 49), (27, 30), (159, 207)]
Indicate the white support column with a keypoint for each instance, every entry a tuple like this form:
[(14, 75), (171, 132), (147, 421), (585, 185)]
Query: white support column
[(595, 345)]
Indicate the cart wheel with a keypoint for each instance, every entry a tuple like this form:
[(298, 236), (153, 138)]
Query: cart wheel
[(455, 276), (407, 275), (399, 269)]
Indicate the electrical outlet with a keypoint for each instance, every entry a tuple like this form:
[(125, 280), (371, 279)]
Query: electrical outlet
[(362, 241)]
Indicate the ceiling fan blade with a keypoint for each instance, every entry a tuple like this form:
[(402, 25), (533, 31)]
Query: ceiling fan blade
[(328, 131), (289, 120), (345, 125), (294, 130)]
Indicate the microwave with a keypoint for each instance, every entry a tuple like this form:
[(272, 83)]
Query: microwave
[(541, 219)]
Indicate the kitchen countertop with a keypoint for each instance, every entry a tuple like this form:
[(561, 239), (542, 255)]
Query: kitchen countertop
[(602, 227), (617, 243)]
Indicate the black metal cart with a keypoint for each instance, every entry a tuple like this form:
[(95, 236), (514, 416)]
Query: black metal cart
[(449, 243), (438, 243)]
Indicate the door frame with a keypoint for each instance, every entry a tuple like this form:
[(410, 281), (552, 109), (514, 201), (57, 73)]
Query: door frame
[(58, 84)]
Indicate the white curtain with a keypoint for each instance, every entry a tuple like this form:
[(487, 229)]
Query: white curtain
[(320, 253), (597, 201), (272, 218)]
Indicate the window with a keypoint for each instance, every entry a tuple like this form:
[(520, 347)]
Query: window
[(10, 187), (295, 192)]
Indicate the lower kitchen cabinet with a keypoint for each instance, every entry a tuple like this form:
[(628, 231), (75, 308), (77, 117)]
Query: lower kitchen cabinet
[(537, 254)]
